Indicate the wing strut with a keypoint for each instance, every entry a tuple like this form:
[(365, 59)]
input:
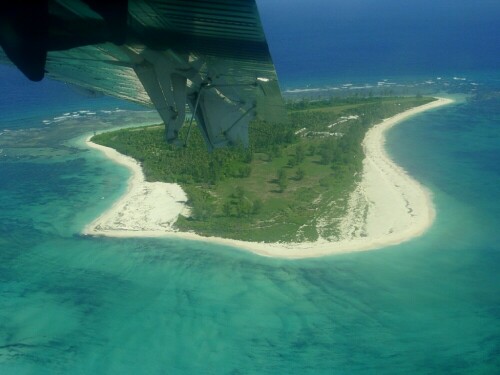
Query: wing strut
[(167, 89)]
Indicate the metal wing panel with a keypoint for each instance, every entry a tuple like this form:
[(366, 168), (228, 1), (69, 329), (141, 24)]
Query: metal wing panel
[(215, 48), (98, 68)]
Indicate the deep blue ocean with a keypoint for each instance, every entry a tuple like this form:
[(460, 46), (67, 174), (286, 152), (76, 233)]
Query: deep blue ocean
[(71, 304)]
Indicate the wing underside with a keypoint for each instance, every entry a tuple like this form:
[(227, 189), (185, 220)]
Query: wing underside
[(209, 56)]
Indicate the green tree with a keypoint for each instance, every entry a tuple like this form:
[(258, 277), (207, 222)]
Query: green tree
[(282, 179), (227, 209), (299, 174), (299, 154), (257, 206), (244, 207), (312, 150), (276, 150), (326, 155), (239, 193)]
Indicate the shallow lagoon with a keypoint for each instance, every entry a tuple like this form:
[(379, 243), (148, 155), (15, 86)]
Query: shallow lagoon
[(73, 304)]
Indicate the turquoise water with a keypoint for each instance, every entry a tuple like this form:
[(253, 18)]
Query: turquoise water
[(77, 305), (72, 304)]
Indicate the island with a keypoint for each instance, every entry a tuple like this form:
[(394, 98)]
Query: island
[(320, 184)]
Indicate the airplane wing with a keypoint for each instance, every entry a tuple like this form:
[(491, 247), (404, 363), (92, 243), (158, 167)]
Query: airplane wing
[(208, 55)]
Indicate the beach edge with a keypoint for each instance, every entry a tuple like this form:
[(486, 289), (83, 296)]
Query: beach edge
[(410, 214)]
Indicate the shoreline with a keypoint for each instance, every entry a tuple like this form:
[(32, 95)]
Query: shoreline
[(387, 207)]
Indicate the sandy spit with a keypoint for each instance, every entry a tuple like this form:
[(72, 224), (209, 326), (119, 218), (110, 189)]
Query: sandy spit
[(387, 207)]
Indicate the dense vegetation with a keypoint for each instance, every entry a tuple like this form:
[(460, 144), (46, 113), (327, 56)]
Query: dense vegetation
[(290, 183)]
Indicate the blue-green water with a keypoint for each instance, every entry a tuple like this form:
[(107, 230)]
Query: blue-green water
[(76, 305)]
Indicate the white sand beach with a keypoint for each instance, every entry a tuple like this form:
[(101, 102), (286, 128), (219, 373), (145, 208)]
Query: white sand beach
[(387, 207)]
